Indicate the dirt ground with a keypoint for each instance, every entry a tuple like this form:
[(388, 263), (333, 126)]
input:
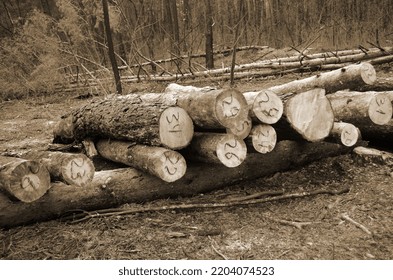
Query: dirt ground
[(242, 232)]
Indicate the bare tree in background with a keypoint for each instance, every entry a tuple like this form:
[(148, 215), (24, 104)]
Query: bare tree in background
[(111, 51), (209, 35)]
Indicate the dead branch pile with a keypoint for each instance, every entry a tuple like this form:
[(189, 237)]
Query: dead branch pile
[(189, 140)]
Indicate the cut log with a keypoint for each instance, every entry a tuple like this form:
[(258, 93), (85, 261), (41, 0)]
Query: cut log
[(166, 164), (265, 106), (307, 114), (262, 139), (151, 119), (242, 130), (73, 169), (116, 187), (211, 108), (226, 149), (348, 77), (344, 133), (381, 84), (22, 179), (361, 108)]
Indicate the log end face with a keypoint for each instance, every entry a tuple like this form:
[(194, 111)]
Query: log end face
[(172, 166), (264, 138), (78, 170), (268, 107), (231, 107), (368, 73), (310, 114), (349, 134), (176, 128), (241, 129), (29, 181), (380, 109), (231, 151)]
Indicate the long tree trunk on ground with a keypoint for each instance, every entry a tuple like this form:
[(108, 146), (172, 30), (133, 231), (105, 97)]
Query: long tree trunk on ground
[(111, 51), (116, 187), (24, 180), (163, 163)]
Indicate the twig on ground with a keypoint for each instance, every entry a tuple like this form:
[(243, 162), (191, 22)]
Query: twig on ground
[(85, 215), (298, 225), (349, 219), (216, 251), (255, 195)]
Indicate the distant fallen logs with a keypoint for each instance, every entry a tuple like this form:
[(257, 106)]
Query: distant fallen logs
[(166, 164), (348, 77), (22, 179)]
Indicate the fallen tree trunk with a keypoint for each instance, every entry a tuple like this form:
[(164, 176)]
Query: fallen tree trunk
[(381, 84), (361, 108), (262, 139), (150, 119), (219, 148), (73, 169), (306, 114), (265, 106), (211, 108), (116, 187), (345, 134), (348, 77), (22, 179), (166, 164)]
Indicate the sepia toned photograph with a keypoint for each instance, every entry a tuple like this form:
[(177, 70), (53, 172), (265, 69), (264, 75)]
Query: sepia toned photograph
[(196, 130)]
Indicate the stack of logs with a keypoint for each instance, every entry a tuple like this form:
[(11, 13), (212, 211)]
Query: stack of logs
[(157, 134)]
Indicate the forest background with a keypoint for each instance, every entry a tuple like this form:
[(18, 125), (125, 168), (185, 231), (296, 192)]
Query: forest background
[(42, 41)]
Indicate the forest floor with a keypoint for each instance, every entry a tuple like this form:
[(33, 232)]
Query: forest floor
[(243, 232)]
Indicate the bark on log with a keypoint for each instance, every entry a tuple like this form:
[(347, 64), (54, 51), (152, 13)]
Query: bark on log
[(22, 179), (116, 187), (63, 132), (265, 106), (382, 84), (226, 149), (150, 119), (361, 108), (166, 164), (344, 133), (211, 108), (262, 139), (363, 155), (307, 114), (348, 77), (73, 169)]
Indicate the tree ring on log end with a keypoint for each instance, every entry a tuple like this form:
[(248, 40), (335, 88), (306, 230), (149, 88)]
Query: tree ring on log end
[(78, 170), (26, 185), (349, 135), (173, 166), (268, 107), (310, 114), (368, 73), (264, 138), (231, 150), (241, 129), (380, 109), (231, 107), (176, 128)]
